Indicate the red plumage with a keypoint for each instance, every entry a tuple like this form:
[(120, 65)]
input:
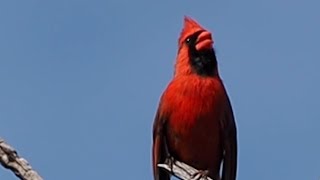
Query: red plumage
[(194, 122)]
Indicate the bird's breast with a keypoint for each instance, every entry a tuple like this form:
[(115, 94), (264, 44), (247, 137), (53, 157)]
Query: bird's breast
[(194, 102), (193, 126)]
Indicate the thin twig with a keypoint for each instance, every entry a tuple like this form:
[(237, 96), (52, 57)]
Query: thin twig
[(181, 170), (10, 159)]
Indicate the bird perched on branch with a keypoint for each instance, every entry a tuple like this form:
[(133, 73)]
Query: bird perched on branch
[(194, 122)]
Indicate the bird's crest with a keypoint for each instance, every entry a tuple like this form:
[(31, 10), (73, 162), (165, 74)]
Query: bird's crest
[(190, 27)]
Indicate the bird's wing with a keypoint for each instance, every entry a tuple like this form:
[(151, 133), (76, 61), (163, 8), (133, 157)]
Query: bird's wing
[(229, 134), (159, 148)]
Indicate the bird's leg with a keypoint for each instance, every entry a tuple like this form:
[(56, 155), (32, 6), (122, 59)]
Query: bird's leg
[(170, 161), (201, 174)]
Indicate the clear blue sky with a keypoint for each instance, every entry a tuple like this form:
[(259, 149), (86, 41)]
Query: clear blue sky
[(80, 82)]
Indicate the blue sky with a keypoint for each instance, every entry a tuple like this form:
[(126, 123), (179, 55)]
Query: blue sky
[(80, 82)]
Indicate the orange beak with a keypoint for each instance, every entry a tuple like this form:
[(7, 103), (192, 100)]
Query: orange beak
[(204, 41)]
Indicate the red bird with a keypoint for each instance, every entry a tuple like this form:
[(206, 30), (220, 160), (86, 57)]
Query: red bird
[(194, 122)]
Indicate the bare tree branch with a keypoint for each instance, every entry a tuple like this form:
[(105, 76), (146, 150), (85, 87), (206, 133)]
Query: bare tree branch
[(10, 159), (181, 170)]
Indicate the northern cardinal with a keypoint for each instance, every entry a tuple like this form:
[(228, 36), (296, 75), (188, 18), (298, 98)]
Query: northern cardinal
[(194, 122)]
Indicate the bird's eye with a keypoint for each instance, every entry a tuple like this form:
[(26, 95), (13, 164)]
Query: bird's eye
[(188, 40)]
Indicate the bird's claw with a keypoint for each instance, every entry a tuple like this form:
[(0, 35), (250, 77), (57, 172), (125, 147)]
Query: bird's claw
[(170, 161), (201, 174)]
